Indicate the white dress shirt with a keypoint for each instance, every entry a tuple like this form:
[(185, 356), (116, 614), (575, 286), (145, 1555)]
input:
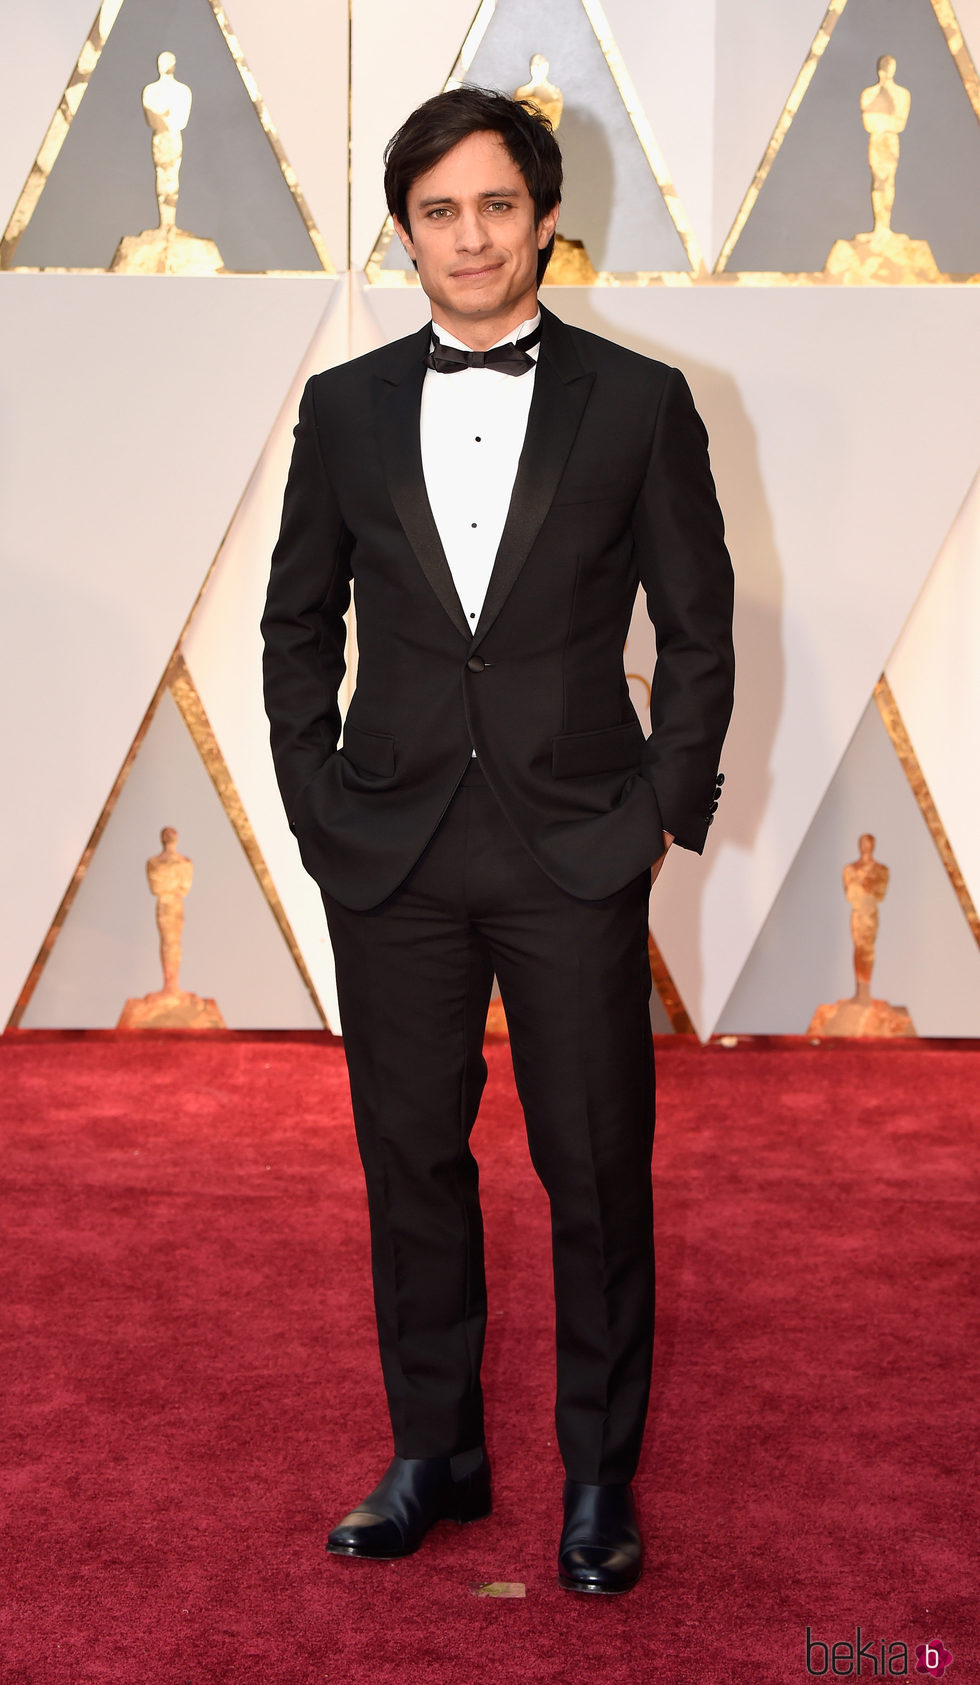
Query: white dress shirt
[(473, 424)]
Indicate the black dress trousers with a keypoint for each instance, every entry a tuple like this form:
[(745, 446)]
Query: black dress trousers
[(414, 978)]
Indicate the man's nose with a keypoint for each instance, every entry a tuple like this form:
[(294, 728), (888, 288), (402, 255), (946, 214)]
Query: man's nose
[(471, 231)]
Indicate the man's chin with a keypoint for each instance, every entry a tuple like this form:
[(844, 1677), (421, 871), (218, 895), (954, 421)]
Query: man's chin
[(477, 294)]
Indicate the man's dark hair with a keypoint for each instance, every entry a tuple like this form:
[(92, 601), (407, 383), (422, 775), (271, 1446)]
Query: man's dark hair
[(438, 125)]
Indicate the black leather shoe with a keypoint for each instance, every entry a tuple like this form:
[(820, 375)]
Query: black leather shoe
[(600, 1547), (413, 1493)]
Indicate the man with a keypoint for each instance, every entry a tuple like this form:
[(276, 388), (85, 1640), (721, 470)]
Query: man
[(495, 807)]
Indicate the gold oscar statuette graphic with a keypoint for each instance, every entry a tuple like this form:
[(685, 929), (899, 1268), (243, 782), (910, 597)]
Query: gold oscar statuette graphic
[(170, 876), (549, 100), (865, 885), (882, 255), (166, 249), (570, 264)]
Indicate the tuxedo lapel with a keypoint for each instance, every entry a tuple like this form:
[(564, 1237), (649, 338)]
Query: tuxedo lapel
[(401, 450), (561, 391)]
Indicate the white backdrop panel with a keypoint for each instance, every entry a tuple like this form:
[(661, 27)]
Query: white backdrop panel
[(925, 957), (136, 409), (934, 673), (223, 650), (669, 52), (838, 489), (399, 57), (41, 45), (109, 949), (760, 51), (297, 52)]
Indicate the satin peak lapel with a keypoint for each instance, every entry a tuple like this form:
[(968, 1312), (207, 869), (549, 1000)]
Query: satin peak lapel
[(401, 449), (561, 391)]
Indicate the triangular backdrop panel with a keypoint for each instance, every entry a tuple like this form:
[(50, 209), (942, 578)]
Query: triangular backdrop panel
[(747, 93), (668, 51), (298, 55), (611, 200), (137, 411), (223, 652), (818, 188), (108, 948), (926, 956), (37, 60), (933, 674), (838, 490), (101, 187)]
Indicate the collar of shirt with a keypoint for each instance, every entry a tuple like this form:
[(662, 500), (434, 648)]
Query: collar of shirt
[(527, 327)]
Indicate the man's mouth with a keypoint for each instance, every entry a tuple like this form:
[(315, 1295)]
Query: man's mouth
[(476, 274)]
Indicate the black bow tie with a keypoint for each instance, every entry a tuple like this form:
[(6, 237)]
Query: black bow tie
[(511, 358)]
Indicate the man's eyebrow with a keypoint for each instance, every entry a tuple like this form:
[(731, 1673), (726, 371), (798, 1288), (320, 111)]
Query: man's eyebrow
[(488, 193)]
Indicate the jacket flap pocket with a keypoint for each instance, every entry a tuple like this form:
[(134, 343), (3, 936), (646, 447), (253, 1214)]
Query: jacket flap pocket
[(369, 751), (612, 749)]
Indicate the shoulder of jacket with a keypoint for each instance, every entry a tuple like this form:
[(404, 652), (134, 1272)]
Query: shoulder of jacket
[(380, 361), (608, 355)]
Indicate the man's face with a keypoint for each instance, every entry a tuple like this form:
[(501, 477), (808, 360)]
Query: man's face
[(475, 239)]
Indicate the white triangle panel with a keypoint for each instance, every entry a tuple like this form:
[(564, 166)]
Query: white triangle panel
[(760, 48), (382, 314), (297, 53), (934, 673), (41, 45), (136, 409), (400, 56), (968, 18), (669, 54), (223, 651), (925, 957), (837, 486), (232, 950)]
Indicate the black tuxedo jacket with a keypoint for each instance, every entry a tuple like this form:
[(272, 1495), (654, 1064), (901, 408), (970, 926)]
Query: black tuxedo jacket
[(613, 488)]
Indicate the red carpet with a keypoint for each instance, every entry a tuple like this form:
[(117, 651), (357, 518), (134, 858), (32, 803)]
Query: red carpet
[(192, 1394)]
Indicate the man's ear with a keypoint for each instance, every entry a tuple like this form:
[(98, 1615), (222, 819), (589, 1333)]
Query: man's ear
[(404, 237), (547, 226)]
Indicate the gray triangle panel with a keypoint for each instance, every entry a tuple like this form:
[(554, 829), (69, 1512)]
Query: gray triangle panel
[(611, 200), (818, 189), (101, 187)]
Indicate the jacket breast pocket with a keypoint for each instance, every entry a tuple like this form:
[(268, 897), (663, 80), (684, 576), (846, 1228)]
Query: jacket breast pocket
[(614, 748), (369, 751)]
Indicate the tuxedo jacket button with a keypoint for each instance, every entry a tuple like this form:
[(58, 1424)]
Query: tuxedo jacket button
[(475, 663)]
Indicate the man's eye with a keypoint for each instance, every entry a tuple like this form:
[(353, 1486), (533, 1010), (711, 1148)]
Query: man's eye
[(439, 211), (499, 205)]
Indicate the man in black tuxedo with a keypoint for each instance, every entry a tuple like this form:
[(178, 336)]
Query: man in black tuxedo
[(496, 486)]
